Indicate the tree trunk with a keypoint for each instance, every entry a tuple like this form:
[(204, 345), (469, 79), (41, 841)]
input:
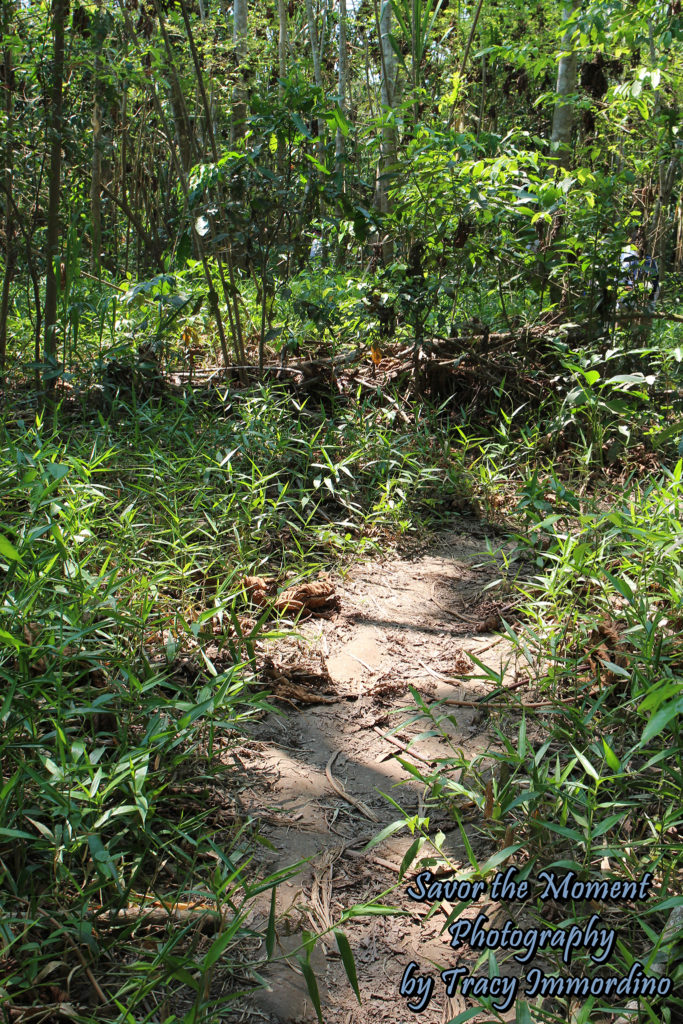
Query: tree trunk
[(182, 178), (282, 47), (282, 44), (9, 218), (54, 127), (318, 79), (678, 248), (188, 143), (240, 30), (388, 144), (182, 128), (199, 76), (96, 179), (313, 40), (563, 114), (343, 85)]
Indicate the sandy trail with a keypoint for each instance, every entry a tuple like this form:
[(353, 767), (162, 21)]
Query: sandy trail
[(403, 623)]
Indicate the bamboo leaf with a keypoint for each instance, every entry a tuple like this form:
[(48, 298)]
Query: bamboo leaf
[(312, 986), (347, 960)]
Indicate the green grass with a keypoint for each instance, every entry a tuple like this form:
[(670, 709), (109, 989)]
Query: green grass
[(127, 671), (589, 778), (127, 522)]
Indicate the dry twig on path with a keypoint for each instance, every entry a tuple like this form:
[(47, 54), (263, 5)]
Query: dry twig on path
[(339, 789)]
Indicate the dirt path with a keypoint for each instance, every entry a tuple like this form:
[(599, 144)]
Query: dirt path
[(402, 624)]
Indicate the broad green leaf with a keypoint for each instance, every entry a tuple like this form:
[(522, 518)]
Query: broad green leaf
[(661, 719), (8, 549), (610, 756), (587, 766)]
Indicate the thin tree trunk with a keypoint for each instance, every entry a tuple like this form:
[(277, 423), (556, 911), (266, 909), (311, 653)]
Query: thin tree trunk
[(229, 293), (563, 114), (313, 39), (318, 79), (482, 102), (657, 228), (678, 248), (187, 140), (212, 296), (240, 31), (317, 73), (122, 173), (282, 47), (366, 51), (182, 127), (282, 44), (9, 218), (200, 80), (54, 127), (26, 231), (96, 178), (388, 145), (343, 84)]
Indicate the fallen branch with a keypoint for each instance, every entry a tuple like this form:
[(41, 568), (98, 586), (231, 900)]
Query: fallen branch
[(206, 918), (403, 747), (339, 789)]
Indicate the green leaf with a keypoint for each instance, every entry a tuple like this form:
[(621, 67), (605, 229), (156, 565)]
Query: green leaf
[(570, 833), (347, 959), (621, 586), (659, 722), (611, 758), (7, 638), (498, 858), (586, 765), (270, 930), (8, 549), (371, 910), (342, 123), (409, 856), (522, 1015), (465, 1015), (521, 741), (668, 904), (658, 695), (220, 945), (56, 470), (312, 986), (468, 846), (396, 47), (15, 833), (381, 836), (606, 825), (102, 858), (301, 127), (317, 164)]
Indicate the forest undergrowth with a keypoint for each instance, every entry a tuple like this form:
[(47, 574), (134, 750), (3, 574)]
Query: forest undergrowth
[(131, 656)]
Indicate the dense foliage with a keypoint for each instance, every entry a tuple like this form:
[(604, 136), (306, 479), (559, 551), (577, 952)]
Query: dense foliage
[(283, 282)]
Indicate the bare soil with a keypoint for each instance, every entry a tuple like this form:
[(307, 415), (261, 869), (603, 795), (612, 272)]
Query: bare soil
[(403, 623)]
